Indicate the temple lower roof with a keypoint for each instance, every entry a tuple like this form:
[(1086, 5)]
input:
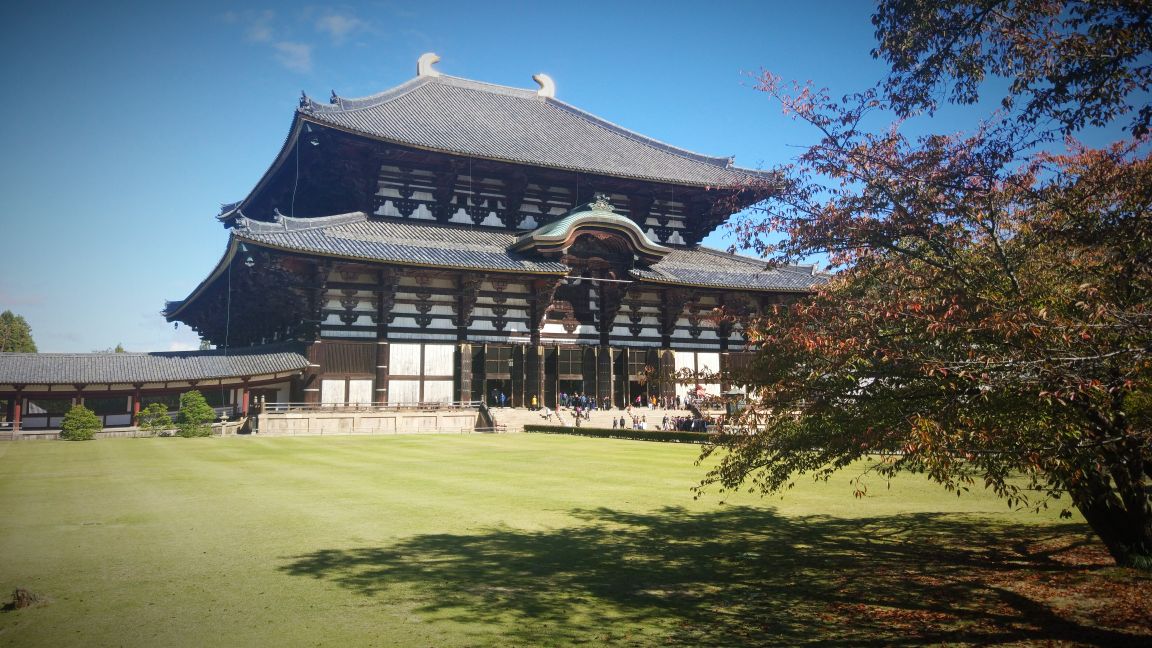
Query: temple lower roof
[(708, 268), (356, 236)]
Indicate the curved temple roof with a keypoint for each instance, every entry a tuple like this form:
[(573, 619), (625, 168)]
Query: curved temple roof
[(428, 244), (560, 234), (475, 119)]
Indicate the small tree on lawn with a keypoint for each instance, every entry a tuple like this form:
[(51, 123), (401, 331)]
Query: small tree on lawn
[(195, 415), (80, 424), (154, 419)]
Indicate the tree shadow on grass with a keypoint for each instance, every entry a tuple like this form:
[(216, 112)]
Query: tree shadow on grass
[(732, 577)]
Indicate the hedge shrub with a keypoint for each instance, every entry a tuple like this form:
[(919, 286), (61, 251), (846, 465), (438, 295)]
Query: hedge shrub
[(80, 424), (154, 420), (196, 416), (672, 436)]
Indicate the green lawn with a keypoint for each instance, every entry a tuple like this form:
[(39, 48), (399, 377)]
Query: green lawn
[(510, 540)]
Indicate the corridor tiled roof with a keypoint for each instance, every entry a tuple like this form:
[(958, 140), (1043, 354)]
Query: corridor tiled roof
[(465, 117), (172, 366)]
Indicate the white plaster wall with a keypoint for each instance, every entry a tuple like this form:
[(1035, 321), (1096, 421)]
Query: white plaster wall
[(403, 391), (404, 359), (438, 359), (438, 391)]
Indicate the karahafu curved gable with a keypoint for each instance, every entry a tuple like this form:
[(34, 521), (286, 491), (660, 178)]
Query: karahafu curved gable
[(553, 239)]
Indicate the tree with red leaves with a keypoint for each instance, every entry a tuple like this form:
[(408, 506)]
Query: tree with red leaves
[(990, 318)]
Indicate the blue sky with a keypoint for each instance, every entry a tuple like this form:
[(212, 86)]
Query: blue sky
[(124, 129)]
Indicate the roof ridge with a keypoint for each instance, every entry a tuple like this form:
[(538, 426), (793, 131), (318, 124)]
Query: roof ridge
[(461, 82), (345, 104), (438, 225), (349, 104), (297, 223)]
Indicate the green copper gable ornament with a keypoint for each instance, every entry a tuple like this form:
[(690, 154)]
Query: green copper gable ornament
[(600, 202)]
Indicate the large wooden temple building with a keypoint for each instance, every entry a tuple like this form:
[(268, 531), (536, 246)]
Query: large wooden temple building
[(451, 240)]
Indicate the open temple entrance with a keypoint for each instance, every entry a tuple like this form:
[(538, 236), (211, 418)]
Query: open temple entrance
[(496, 387)]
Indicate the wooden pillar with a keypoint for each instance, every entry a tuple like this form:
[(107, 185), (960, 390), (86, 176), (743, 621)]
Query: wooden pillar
[(318, 296), (311, 377), (17, 402), (136, 401), (667, 369), (244, 393), (386, 281), (519, 397), (463, 371), (588, 370), (534, 374), (604, 383)]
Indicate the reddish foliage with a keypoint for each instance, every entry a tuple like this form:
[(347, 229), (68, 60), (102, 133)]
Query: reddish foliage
[(991, 317)]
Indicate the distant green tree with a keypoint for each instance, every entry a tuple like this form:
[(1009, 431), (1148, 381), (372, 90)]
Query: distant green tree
[(80, 424), (154, 420), (205, 345), (15, 334), (195, 415), (119, 348)]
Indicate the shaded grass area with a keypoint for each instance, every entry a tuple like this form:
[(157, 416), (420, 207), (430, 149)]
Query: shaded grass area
[(747, 576), (521, 540)]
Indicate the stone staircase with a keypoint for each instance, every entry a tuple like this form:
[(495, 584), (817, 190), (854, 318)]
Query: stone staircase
[(514, 419)]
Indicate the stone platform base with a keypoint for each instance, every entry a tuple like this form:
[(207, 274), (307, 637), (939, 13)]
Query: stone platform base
[(319, 423)]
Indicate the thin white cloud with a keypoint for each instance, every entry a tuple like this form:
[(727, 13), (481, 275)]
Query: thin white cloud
[(260, 30), (257, 25), (294, 56), (339, 26), (265, 28)]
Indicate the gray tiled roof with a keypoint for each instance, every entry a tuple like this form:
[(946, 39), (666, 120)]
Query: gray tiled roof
[(408, 242), (477, 119), (710, 268), (354, 236), (102, 368)]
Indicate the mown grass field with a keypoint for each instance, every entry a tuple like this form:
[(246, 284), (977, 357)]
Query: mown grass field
[(520, 540)]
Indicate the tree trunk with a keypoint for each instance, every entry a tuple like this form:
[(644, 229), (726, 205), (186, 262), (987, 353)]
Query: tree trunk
[(1126, 531)]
